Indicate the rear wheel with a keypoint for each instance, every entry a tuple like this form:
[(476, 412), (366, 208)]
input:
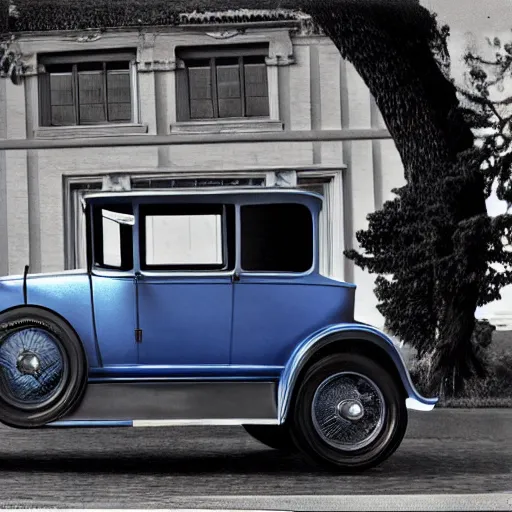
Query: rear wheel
[(277, 437), (43, 368), (349, 414)]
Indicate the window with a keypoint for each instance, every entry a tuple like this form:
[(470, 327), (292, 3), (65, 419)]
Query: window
[(113, 232), (276, 238), (161, 182), (87, 89), (187, 237), (222, 84)]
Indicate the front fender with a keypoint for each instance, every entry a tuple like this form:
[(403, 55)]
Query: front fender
[(11, 293), (337, 334)]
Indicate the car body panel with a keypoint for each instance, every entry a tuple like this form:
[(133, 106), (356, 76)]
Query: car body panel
[(185, 321), (164, 401), (68, 294), (272, 315), (11, 292), (114, 312)]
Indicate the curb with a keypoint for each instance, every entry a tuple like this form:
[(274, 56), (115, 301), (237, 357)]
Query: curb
[(439, 502)]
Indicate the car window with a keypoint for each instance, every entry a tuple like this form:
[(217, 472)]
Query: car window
[(276, 238), (113, 235), (184, 237)]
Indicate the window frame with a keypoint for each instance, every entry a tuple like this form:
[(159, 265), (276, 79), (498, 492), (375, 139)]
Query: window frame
[(228, 233), (210, 54), (95, 244), (281, 273), (74, 59)]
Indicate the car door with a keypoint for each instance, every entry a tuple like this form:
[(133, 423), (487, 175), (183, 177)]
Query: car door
[(277, 298), (184, 287), (110, 239)]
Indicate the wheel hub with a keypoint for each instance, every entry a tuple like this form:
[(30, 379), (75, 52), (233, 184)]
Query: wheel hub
[(351, 410), (28, 363), (348, 411), (32, 369)]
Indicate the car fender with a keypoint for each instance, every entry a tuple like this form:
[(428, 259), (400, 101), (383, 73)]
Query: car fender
[(340, 333)]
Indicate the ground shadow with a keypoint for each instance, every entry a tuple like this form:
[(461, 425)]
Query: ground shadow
[(264, 462)]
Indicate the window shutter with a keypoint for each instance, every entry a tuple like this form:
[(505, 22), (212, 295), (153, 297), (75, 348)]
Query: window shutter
[(61, 99), (45, 106), (182, 99), (119, 99), (91, 94), (200, 92), (256, 90), (229, 89)]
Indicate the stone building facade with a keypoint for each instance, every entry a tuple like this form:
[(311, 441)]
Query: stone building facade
[(197, 78)]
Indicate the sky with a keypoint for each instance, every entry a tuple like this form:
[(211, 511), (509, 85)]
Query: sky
[(477, 16), (470, 22)]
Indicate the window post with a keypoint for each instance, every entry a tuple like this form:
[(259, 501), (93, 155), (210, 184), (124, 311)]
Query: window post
[(273, 88)]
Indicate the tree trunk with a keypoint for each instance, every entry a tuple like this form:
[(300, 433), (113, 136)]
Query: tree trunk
[(389, 44)]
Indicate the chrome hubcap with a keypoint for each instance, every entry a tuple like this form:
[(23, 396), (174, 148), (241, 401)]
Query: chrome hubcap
[(32, 369), (28, 363), (348, 411), (351, 410)]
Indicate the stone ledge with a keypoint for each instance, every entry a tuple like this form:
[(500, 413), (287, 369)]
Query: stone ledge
[(224, 126), (72, 132)]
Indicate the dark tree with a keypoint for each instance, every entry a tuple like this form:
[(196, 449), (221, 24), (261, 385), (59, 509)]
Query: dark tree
[(429, 246), (488, 110), (431, 241)]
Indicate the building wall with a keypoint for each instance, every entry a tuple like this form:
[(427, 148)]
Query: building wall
[(311, 88)]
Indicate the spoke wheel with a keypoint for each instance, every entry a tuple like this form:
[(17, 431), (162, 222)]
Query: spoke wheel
[(43, 368), (348, 413), (33, 368)]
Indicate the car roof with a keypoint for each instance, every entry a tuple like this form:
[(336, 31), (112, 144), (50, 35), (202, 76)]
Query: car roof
[(202, 192)]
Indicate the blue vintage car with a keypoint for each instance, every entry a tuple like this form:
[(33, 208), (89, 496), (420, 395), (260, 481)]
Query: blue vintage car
[(204, 308)]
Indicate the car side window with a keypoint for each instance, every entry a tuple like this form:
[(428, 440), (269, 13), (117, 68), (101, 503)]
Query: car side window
[(186, 237), (113, 236), (276, 238)]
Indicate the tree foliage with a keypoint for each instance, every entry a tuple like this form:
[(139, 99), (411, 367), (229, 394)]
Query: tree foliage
[(11, 63), (488, 109)]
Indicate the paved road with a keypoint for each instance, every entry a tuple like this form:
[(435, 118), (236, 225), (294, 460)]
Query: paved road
[(446, 451)]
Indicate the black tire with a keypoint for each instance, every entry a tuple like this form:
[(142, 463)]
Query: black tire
[(54, 381), (277, 437), (316, 445)]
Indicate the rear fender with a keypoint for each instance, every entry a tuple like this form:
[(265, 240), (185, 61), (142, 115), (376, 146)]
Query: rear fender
[(340, 334)]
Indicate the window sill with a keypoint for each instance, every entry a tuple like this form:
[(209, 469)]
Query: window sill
[(72, 132), (228, 126)]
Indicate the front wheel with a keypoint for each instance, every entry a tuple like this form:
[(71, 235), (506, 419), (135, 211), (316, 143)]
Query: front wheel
[(43, 368), (349, 414)]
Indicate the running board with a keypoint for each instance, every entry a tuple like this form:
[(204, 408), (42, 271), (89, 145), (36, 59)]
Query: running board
[(146, 404)]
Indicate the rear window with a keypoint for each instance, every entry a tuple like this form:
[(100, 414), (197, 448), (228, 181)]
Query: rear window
[(276, 238)]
